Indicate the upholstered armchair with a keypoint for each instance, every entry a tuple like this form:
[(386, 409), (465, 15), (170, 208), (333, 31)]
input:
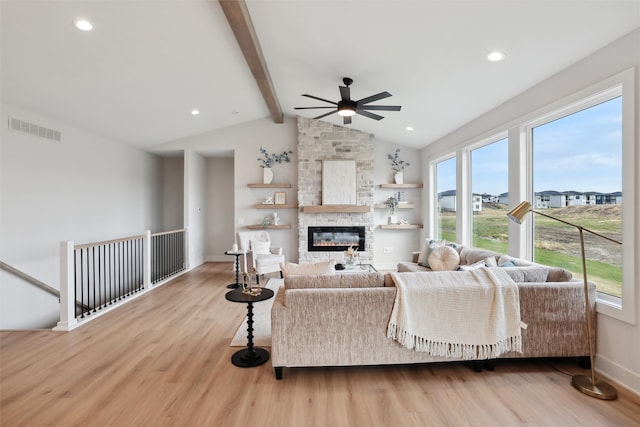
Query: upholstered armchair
[(261, 258)]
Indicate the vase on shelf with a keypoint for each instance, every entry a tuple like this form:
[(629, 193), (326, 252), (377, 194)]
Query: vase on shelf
[(399, 178), (267, 175), (393, 219)]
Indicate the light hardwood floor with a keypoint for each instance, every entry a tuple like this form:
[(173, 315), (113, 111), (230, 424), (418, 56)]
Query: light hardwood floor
[(164, 359)]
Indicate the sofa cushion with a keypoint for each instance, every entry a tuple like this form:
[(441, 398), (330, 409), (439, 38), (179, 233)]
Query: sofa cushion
[(444, 259), (470, 256), (293, 269), (557, 274), (348, 280), (530, 273)]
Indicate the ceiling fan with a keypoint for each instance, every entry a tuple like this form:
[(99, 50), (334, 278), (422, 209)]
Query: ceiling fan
[(348, 108)]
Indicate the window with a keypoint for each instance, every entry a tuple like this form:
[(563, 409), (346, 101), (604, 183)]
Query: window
[(446, 191), (489, 185), (577, 157)]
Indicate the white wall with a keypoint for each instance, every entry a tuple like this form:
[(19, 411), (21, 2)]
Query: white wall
[(172, 193), (618, 346), (195, 206), (84, 188), (245, 141), (220, 219)]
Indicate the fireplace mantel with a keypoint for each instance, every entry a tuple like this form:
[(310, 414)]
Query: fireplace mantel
[(336, 209)]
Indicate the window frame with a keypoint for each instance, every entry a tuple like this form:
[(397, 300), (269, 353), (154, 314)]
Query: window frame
[(622, 84)]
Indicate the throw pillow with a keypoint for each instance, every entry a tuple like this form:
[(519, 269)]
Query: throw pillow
[(477, 265), (423, 258), (445, 258), (260, 248), (292, 269), (429, 246)]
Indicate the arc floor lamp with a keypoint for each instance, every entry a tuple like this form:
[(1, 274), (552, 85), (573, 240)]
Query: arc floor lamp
[(588, 385)]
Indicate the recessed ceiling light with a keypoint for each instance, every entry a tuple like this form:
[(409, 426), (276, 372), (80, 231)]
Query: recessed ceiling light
[(83, 24), (409, 128), (235, 112), (496, 56), (195, 112)]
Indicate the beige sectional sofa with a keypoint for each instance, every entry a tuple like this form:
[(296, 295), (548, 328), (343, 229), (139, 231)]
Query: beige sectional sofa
[(341, 319)]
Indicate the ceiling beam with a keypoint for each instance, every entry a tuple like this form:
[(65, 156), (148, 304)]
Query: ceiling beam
[(240, 21)]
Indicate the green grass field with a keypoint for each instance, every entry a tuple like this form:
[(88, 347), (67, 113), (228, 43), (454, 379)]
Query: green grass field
[(557, 244)]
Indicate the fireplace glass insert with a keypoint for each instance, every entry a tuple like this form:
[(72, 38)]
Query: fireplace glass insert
[(335, 238)]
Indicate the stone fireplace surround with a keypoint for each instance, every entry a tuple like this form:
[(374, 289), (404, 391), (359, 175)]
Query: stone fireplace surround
[(318, 141)]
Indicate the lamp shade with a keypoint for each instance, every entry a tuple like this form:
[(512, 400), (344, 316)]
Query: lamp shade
[(519, 213)]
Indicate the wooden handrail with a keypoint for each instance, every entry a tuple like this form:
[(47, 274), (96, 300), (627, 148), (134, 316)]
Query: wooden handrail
[(30, 279)]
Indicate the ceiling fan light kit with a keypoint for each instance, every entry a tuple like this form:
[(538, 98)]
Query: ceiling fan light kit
[(347, 108)]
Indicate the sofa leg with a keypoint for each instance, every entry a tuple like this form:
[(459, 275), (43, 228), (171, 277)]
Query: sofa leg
[(281, 275), (584, 362), (477, 365), (490, 364), (278, 370)]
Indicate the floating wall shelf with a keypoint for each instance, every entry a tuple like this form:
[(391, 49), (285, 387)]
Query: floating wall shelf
[(401, 185), (400, 226), (274, 206), (269, 227), (269, 185)]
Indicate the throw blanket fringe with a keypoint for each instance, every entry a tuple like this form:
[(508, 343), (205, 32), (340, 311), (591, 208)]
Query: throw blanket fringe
[(453, 350), (466, 315)]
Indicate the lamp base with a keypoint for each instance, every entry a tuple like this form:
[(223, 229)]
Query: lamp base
[(599, 390)]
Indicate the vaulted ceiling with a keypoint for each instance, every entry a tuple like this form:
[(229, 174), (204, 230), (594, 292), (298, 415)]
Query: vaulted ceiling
[(147, 64)]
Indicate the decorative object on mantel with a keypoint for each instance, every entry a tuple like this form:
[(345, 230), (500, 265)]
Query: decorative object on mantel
[(351, 256), (339, 185), (392, 204), (268, 160), (398, 166), (590, 386)]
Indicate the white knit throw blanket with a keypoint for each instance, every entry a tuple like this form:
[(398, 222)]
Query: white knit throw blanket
[(469, 315)]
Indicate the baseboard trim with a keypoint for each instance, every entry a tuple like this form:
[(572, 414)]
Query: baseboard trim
[(630, 380)]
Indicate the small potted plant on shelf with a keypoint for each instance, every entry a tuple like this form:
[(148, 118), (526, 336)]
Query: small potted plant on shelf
[(398, 166), (268, 160), (392, 204)]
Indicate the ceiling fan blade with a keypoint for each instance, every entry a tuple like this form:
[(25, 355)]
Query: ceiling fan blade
[(325, 115), (347, 120), (319, 99), (380, 107), (345, 93), (368, 114), (376, 97), (309, 108)]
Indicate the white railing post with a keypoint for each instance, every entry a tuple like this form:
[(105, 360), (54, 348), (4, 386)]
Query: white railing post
[(67, 288), (186, 249), (146, 260)]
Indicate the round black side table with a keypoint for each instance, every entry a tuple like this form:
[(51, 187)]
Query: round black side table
[(249, 357), (237, 254)]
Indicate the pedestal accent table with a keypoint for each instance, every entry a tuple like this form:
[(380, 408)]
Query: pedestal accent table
[(237, 254), (249, 357)]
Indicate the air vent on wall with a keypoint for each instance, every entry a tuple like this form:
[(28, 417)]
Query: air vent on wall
[(32, 129)]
